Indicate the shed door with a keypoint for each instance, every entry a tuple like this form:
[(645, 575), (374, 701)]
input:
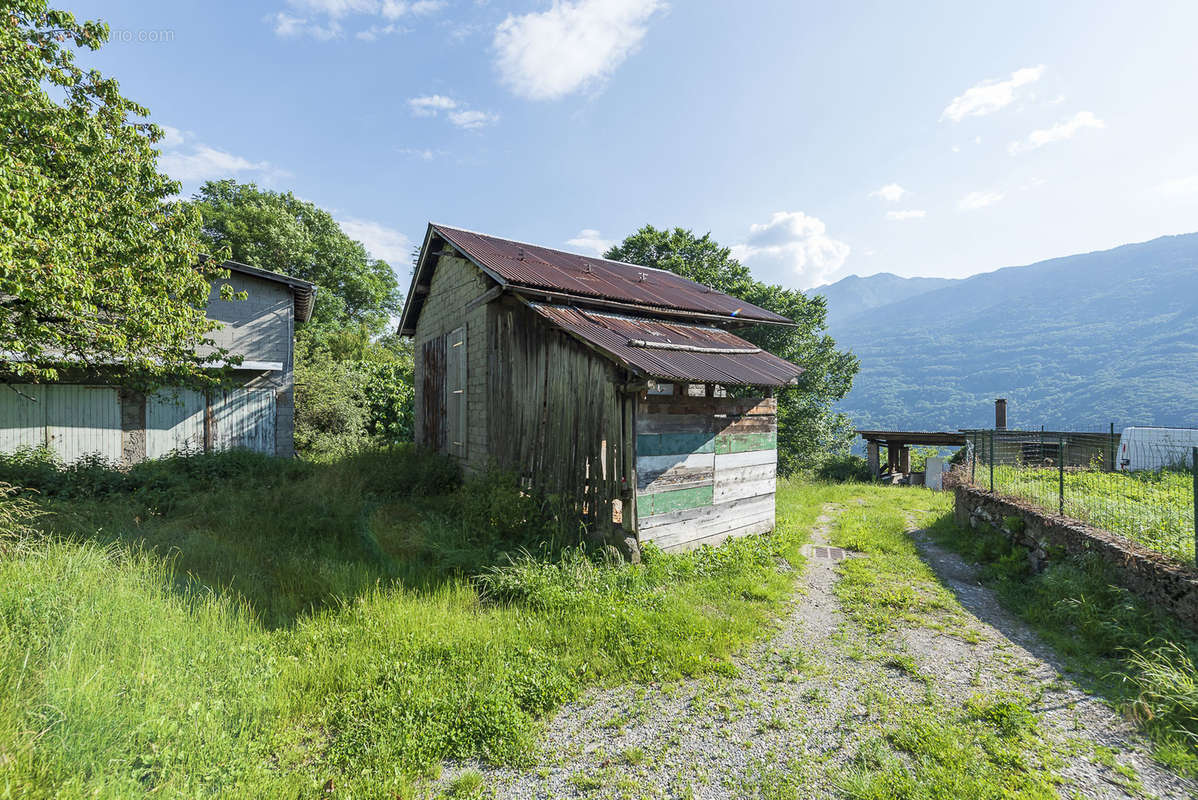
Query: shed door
[(243, 418), (174, 422), (82, 420), (22, 417), (455, 391), (432, 405)]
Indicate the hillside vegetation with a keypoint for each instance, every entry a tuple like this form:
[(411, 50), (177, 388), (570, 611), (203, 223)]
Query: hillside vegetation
[(1075, 342)]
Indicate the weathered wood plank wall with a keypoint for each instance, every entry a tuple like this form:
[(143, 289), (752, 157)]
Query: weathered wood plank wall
[(557, 416), (705, 469)]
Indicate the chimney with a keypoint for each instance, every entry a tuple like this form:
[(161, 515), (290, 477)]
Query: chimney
[(1000, 414)]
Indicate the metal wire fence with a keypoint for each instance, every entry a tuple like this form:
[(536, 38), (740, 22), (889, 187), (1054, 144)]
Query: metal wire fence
[(1143, 488)]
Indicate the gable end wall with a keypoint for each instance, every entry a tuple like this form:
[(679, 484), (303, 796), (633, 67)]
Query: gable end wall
[(455, 283)]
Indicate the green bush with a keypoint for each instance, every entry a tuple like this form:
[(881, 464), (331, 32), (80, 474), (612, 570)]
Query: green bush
[(843, 469)]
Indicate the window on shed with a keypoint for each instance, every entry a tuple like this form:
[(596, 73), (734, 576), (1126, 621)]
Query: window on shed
[(455, 391)]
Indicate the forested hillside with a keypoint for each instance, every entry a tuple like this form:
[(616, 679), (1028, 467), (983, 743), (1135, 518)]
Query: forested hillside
[(1073, 342)]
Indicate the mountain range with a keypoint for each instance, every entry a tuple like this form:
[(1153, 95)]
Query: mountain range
[(1073, 343)]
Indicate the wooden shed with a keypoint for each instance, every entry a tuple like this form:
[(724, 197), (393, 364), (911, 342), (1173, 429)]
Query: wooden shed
[(604, 383)]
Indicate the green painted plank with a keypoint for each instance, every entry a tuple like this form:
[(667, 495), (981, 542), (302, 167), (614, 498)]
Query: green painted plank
[(664, 502), (744, 442), (674, 444)]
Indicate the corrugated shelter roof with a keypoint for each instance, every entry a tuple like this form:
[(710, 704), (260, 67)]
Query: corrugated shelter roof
[(672, 350), (577, 278)]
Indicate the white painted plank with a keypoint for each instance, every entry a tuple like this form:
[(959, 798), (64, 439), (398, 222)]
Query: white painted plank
[(683, 536), (741, 489), (749, 458), (664, 473), (761, 526), (702, 513)]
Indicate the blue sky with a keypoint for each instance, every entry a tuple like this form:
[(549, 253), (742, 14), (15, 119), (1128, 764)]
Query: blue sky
[(818, 139)]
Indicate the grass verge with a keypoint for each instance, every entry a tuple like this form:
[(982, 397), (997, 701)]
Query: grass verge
[(1138, 658), (270, 629)]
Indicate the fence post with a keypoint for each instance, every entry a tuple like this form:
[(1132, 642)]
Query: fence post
[(1111, 466), (1194, 469), (973, 462), (1061, 484), (991, 454)]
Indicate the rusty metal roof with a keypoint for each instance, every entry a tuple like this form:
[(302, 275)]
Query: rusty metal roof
[(674, 351), (527, 265)]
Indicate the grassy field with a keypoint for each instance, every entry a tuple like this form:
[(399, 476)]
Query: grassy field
[(245, 627), (1155, 509), (240, 626)]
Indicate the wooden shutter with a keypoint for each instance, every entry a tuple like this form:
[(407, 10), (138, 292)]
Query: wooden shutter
[(455, 391)]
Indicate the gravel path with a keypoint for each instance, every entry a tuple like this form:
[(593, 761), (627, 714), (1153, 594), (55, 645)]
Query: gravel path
[(800, 705)]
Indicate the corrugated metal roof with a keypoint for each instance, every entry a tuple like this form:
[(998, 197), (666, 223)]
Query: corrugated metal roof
[(673, 351), (589, 276)]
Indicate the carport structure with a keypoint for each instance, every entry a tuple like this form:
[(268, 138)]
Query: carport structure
[(898, 443)]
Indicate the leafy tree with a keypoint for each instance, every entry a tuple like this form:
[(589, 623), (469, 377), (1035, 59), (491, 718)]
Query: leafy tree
[(279, 232), (808, 428), (95, 266)]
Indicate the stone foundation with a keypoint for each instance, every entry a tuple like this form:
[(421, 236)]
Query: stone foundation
[(1160, 581)]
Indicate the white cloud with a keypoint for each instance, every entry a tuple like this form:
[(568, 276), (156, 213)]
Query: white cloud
[(380, 241), (322, 19), (375, 31), (980, 200), (422, 153), (990, 95), (589, 240), (549, 54), (186, 160), (891, 193), (793, 248), (171, 137), (1180, 186), (471, 120), (431, 105), (910, 213), (1063, 130)]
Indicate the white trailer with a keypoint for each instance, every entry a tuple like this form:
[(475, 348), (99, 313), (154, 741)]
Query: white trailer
[(1156, 448)]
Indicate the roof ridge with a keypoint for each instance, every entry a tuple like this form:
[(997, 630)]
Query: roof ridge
[(569, 252)]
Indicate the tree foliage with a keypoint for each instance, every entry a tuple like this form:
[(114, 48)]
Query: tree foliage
[(808, 428), (95, 266), (279, 232)]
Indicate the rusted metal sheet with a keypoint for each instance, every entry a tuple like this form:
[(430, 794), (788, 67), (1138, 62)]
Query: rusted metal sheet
[(543, 267), (613, 333)]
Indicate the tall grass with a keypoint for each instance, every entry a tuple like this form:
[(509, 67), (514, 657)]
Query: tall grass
[(260, 630)]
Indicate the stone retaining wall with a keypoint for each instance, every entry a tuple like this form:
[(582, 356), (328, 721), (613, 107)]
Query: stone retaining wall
[(1159, 580)]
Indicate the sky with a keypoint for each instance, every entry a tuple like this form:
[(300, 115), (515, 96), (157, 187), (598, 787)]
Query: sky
[(817, 140)]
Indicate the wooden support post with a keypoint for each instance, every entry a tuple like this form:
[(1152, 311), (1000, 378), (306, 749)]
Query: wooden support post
[(905, 460), (891, 458), (871, 449)]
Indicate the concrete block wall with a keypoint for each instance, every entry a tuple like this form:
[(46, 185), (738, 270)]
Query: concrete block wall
[(455, 283)]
